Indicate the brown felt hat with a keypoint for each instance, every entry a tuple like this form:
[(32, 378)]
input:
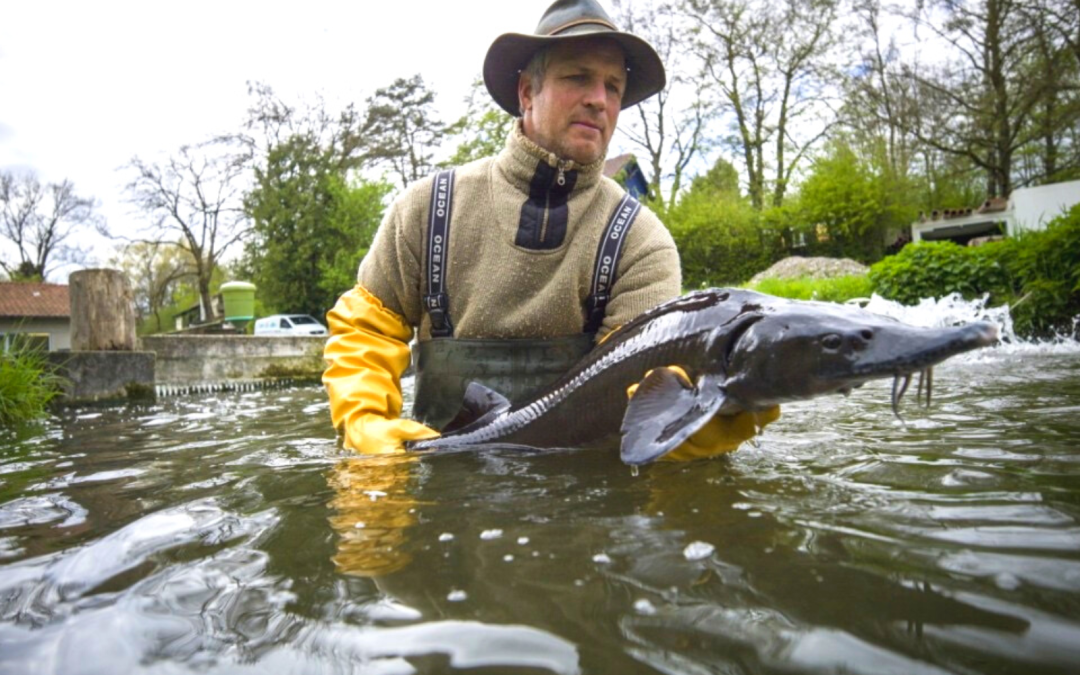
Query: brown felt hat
[(566, 20)]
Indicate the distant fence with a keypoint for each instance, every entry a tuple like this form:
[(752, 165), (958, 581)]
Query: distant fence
[(203, 363)]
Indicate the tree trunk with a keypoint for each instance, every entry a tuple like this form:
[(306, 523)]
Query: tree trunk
[(102, 311)]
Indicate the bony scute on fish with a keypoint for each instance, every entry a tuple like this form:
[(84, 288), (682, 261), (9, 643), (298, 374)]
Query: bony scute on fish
[(711, 352)]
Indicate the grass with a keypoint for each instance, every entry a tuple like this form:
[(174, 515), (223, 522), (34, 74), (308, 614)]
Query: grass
[(28, 383), (838, 289)]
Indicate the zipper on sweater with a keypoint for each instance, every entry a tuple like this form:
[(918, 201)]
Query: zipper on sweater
[(562, 165)]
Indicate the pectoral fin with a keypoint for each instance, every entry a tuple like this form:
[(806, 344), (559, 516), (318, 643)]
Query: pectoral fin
[(479, 405), (664, 411)]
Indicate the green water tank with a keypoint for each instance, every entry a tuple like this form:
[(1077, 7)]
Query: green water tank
[(239, 300)]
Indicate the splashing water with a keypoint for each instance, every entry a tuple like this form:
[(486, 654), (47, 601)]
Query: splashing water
[(954, 310)]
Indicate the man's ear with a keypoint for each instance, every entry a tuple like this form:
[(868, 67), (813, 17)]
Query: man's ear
[(525, 93)]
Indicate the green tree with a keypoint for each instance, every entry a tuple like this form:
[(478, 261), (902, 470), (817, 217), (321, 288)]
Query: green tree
[(401, 130), (310, 226), (482, 130), (722, 239), (721, 180), (851, 203), (357, 217)]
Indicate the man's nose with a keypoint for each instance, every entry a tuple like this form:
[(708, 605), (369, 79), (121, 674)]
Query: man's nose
[(596, 95)]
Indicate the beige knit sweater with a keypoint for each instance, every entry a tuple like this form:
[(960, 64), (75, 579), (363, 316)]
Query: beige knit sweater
[(500, 288)]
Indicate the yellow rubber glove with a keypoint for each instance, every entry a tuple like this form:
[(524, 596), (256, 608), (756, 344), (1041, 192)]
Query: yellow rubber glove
[(366, 354), (721, 434)]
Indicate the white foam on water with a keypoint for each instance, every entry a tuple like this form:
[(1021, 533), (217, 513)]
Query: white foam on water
[(698, 550), (954, 310)]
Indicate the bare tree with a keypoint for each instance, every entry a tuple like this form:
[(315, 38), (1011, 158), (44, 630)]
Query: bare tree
[(879, 103), (195, 198), (272, 123), (770, 63), (154, 270), (1056, 118), (670, 126), (986, 97), (40, 219)]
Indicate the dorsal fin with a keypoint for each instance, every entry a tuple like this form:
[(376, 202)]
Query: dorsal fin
[(479, 403)]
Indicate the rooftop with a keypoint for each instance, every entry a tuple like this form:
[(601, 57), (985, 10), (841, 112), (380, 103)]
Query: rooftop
[(34, 300), (615, 164)]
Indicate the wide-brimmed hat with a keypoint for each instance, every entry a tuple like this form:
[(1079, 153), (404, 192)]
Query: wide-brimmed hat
[(569, 20)]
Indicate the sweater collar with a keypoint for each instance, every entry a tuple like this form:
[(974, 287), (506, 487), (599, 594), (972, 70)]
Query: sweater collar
[(520, 159)]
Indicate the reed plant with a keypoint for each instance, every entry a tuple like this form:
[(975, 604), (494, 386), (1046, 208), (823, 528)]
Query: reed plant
[(28, 383)]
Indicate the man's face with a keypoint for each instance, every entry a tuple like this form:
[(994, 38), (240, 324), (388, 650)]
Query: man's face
[(575, 110)]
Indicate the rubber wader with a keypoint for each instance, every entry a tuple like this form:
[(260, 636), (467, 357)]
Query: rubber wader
[(517, 369)]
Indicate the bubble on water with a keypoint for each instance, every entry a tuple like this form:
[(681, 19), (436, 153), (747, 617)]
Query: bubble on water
[(523, 540), (491, 534), (457, 596), (360, 526), (601, 558), (374, 494), (644, 607), (698, 550), (508, 558), (446, 536), (1007, 582)]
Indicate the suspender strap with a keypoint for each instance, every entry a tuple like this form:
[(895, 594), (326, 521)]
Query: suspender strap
[(437, 302), (607, 261)]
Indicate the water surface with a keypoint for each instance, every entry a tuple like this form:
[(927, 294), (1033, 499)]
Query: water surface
[(226, 533)]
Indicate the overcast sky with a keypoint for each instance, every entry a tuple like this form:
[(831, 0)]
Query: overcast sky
[(86, 85)]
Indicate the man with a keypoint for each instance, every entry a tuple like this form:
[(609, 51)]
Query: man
[(500, 264)]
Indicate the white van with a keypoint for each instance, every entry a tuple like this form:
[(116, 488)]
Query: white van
[(289, 324)]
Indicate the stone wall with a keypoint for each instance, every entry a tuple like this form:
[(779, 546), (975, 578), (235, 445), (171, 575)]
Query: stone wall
[(190, 359), (104, 376)]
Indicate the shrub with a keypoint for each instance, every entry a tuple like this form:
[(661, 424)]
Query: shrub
[(1037, 273), (838, 289), (27, 384), (1047, 265), (936, 269), (721, 241)]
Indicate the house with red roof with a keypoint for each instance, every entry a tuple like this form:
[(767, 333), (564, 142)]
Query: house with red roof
[(34, 313)]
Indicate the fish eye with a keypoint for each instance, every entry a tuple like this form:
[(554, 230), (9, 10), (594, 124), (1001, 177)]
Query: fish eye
[(831, 341)]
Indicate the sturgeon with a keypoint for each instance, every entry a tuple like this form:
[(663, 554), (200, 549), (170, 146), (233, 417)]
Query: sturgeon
[(742, 351)]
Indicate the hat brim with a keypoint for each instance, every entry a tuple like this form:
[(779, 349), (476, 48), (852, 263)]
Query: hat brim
[(510, 53)]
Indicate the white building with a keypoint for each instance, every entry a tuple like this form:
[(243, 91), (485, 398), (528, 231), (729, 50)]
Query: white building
[(1026, 209)]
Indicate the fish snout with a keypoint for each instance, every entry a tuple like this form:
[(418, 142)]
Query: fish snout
[(986, 333), (855, 340)]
